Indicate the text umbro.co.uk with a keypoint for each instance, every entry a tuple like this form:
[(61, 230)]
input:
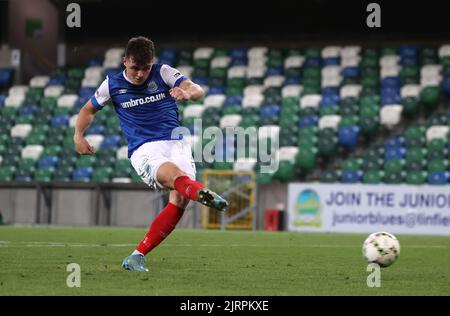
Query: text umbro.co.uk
[(140, 101)]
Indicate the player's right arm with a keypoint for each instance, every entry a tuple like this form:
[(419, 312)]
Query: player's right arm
[(84, 120), (86, 117)]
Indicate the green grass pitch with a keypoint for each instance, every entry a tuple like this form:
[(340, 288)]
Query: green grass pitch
[(33, 261)]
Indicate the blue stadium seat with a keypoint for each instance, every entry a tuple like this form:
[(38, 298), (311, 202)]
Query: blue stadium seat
[(95, 62), (312, 62), (86, 92), (351, 176), (274, 71), (446, 84), (351, 72), (236, 53), (329, 99), (307, 121), (331, 61), (238, 61), (95, 129), (216, 90), (24, 178), (82, 174), (391, 99), (111, 141), (200, 80), (60, 121), (408, 61), (111, 71), (394, 153), (48, 162), (330, 91), (268, 111), (167, 56), (438, 178), (81, 101), (348, 136), (408, 51), (390, 82), (292, 80), (57, 80), (394, 142), (29, 109), (233, 100), (6, 77)]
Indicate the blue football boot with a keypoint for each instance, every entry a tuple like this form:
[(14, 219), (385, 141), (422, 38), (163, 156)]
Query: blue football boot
[(134, 262)]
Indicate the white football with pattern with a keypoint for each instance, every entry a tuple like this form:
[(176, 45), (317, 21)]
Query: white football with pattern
[(382, 248)]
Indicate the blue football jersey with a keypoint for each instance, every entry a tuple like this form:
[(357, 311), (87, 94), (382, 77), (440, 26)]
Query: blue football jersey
[(146, 112)]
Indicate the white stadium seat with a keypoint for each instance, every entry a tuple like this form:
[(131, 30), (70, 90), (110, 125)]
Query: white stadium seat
[(39, 81), (410, 90), (390, 115), (67, 100), (73, 120), (310, 100), (14, 100), (94, 140), (437, 132), (253, 90), (53, 91), (287, 153), (203, 53), (257, 51), (252, 101), (220, 62), (215, 100), (294, 62), (329, 121), (237, 72), (21, 130), (18, 90), (350, 90), (331, 51), (291, 91), (274, 81), (122, 153), (32, 152), (230, 120), (193, 110)]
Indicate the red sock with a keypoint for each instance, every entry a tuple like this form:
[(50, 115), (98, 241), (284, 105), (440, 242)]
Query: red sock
[(161, 227), (187, 188)]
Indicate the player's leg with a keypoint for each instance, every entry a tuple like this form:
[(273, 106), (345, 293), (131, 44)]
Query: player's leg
[(172, 176), (160, 228)]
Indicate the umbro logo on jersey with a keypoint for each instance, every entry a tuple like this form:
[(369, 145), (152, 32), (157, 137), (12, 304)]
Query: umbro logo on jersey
[(122, 91)]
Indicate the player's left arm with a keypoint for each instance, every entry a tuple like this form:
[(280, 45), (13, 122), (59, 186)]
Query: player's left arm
[(187, 90)]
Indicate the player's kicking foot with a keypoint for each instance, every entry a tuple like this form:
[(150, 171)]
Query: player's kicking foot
[(134, 262), (211, 199)]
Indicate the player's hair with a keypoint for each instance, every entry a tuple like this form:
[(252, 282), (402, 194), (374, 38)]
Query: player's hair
[(141, 49)]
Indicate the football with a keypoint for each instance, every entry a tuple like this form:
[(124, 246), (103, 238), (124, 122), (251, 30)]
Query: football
[(382, 248)]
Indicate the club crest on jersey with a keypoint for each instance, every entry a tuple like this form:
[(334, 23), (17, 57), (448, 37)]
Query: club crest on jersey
[(152, 86)]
